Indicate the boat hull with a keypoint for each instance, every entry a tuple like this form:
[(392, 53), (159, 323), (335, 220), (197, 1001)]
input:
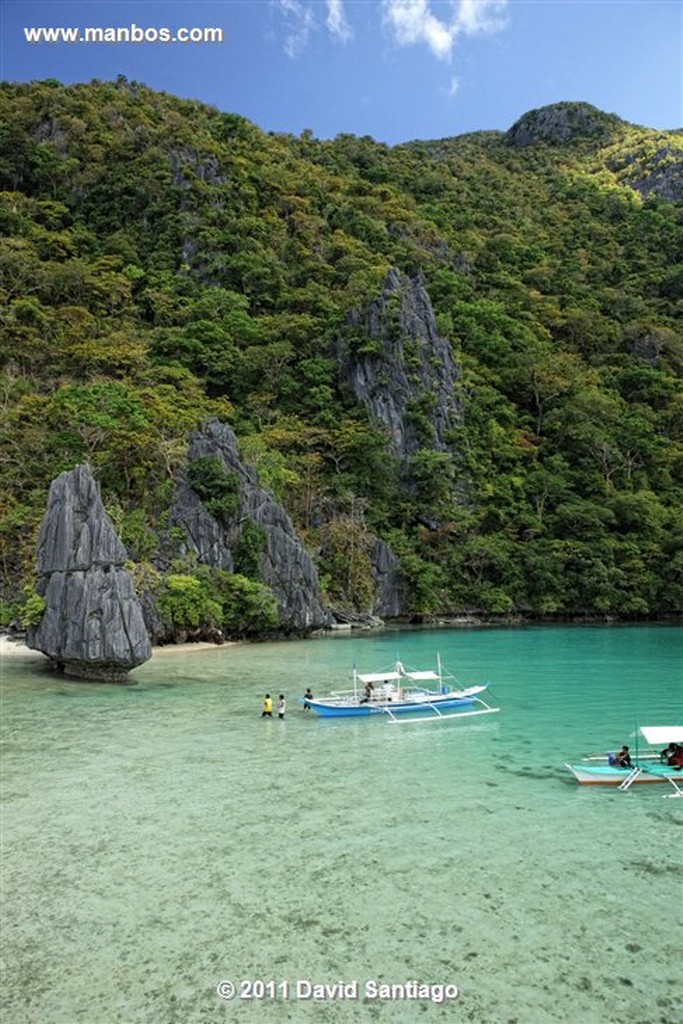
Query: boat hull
[(610, 775), (442, 703)]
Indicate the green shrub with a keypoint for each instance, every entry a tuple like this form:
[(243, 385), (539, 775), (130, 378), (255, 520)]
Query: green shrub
[(33, 609), (218, 488), (248, 608), (9, 610), (213, 599), (185, 602), (247, 552)]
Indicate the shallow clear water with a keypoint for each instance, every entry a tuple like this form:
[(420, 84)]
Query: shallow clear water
[(160, 838)]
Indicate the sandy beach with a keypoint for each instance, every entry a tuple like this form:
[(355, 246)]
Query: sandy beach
[(11, 648), (188, 648)]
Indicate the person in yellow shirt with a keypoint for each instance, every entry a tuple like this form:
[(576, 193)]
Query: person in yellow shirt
[(267, 707)]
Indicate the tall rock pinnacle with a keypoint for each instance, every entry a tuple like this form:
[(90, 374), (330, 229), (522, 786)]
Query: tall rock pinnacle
[(92, 626)]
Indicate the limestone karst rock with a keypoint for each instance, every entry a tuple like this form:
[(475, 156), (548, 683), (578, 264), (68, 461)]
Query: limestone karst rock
[(561, 123), (412, 363), (662, 175), (286, 567), (386, 570), (92, 626)]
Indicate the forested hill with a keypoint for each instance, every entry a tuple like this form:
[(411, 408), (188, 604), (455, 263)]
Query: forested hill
[(468, 348)]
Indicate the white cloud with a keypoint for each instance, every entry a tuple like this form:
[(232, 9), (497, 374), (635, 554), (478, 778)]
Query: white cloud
[(474, 16), (451, 89), (413, 21), (410, 22), (336, 21), (300, 22)]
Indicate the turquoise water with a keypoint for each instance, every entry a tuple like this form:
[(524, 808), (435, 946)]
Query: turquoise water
[(161, 838)]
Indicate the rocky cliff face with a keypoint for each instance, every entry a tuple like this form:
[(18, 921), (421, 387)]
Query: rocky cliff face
[(286, 567), (664, 176), (560, 123), (92, 626), (400, 368), (386, 566)]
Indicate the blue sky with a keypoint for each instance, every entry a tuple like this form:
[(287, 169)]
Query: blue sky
[(392, 69)]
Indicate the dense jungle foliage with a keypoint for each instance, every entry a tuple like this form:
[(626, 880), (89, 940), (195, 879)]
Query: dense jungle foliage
[(162, 262)]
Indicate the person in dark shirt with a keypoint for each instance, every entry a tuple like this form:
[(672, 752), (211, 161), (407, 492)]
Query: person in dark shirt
[(623, 758), (676, 757)]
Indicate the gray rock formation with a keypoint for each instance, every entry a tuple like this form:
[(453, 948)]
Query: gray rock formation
[(560, 123), (656, 346), (406, 376), (286, 567), (386, 567), (92, 626), (187, 164), (664, 175)]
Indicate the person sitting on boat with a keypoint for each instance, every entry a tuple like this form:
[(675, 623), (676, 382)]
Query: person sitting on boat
[(368, 694), (667, 753), (623, 758), (676, 759)]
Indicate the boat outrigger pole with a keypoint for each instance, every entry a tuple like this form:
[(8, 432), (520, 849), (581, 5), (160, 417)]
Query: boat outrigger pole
[(440, 716)]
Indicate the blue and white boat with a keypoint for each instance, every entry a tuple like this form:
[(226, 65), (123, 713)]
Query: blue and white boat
[(401, 694), (647, 766)]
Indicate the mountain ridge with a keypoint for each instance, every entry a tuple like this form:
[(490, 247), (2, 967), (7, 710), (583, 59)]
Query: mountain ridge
[(163, 263)]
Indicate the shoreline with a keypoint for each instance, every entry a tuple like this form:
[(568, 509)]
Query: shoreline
[(199, 645), (11, 648)]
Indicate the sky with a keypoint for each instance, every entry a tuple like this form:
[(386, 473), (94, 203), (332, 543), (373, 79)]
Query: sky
[(393, 69)]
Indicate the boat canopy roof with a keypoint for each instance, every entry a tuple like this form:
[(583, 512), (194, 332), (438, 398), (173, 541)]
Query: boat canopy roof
[(379, 677), (415, 676), (656, 734), (422, 676), (397, 674)]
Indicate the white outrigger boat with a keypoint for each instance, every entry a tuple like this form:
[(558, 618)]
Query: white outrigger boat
[(646, 766), (402, 694)]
